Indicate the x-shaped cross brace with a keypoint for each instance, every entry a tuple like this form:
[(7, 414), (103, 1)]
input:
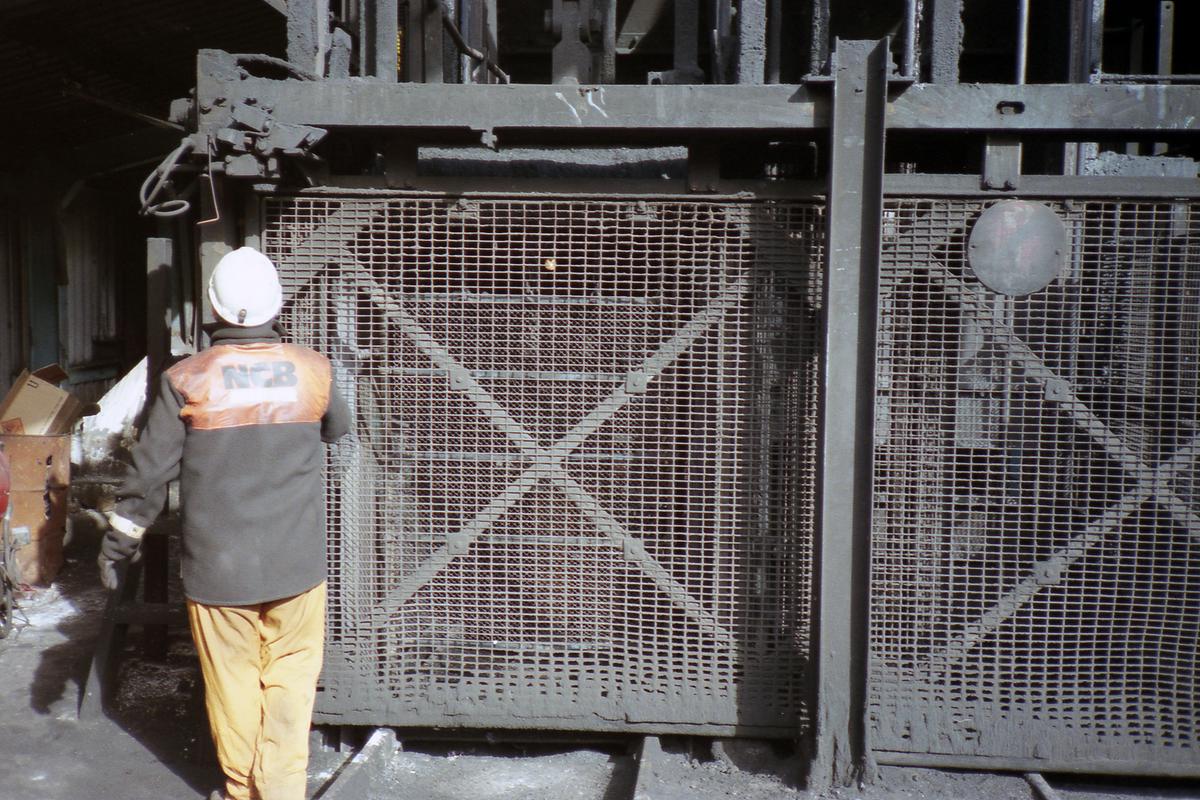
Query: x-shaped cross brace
[(1151, 483), (548, 461)]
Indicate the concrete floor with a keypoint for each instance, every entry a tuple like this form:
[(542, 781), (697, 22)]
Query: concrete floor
[(153, 742), (148, 746)]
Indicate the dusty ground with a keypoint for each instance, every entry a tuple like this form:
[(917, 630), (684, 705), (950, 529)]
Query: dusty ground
[(153, 743)]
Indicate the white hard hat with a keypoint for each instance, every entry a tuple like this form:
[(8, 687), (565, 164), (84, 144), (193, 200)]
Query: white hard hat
[(244, 288)]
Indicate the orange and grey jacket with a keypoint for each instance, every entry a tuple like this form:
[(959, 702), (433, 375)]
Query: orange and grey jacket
[(241, 426)]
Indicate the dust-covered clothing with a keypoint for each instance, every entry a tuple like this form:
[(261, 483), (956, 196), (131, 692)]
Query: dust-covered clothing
[(241, 425), (260, 664)]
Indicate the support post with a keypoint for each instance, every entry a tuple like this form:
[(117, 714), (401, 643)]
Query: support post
[(431, 30), (218, 236), (380, 23), (308, 35), (855, 207), (1163, 62), (946, 37), (818, 52), (160, 261), (751, 64), (1087, 35)]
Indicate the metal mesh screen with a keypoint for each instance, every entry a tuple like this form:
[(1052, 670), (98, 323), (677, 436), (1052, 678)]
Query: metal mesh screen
[(1036, 548), (579, 494)]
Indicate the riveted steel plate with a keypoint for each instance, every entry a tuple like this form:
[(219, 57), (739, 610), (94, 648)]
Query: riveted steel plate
[(579, 493)]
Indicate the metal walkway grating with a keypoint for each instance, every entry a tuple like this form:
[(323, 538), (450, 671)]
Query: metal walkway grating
[(1036, 549), (580, 492)]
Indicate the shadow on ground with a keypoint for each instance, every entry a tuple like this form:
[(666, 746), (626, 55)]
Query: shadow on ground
[(152, 742)]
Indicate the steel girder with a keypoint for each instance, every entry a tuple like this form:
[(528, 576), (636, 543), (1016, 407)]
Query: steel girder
[(674, 112)]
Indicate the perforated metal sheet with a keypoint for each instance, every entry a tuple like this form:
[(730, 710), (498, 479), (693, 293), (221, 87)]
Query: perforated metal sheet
[(1036, 549), (579, 494)]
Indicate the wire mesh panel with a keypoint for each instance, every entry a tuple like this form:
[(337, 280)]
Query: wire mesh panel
[(579, 492), (1036, 548)]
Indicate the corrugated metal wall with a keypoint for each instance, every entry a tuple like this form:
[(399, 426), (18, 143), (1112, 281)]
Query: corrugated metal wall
[(88, 232)]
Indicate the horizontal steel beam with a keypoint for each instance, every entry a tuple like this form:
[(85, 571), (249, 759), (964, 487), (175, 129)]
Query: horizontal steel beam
[(668, 111), (1046, 108), (527, 107), (1084, 764), (1077, 187)]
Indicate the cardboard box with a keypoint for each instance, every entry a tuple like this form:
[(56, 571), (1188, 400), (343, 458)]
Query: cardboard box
[(41, 475), (35, 406)]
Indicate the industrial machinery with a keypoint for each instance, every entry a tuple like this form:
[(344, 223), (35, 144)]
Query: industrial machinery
[(759, 369)]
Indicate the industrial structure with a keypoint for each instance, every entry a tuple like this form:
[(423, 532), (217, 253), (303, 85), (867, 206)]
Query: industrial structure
[(785, 369)]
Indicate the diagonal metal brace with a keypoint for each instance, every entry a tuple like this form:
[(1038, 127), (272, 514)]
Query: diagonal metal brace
[(1060, 389), (548, 462), (1050, 571)]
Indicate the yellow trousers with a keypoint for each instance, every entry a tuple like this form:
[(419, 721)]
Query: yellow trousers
[(260, 666)]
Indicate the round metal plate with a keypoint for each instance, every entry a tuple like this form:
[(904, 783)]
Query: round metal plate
[(1017, 247)]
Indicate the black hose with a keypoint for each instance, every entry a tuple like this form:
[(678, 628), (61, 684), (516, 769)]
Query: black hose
[(156, 180)]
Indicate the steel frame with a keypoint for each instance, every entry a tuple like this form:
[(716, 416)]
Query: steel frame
[(334, 236), (855, 109), (515, 112)]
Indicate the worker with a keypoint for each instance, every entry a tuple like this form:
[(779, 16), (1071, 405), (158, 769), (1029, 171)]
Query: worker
[(241, 426)]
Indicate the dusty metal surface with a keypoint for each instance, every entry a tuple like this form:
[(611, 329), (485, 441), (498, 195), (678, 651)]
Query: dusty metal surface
[(1035, 562), (856, 183), (580, 492), (671, 110)]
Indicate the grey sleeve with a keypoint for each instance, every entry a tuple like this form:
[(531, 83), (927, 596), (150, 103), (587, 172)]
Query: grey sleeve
[(143, 492), (337, 420)]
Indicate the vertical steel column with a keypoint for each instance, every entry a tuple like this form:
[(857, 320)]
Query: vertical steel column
[(774, 40), (570, 58), (431, 27), (844, 475), (1087, 35), (379, 27), (218, 236), (818, 52), (946, 35), (160, 263), (687, 45), (751, 64), (423, 42), (1022, 39), (1166, 42), (909, 67), (308, 34)]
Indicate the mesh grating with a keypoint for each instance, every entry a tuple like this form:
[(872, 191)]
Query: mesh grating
[(1036, 548), (580, 492)]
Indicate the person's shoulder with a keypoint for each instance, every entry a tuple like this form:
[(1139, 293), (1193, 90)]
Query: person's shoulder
[(190, 364)]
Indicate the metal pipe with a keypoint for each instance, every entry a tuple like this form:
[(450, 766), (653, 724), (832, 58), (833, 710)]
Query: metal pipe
[(1040, 787), (1022, 38)]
